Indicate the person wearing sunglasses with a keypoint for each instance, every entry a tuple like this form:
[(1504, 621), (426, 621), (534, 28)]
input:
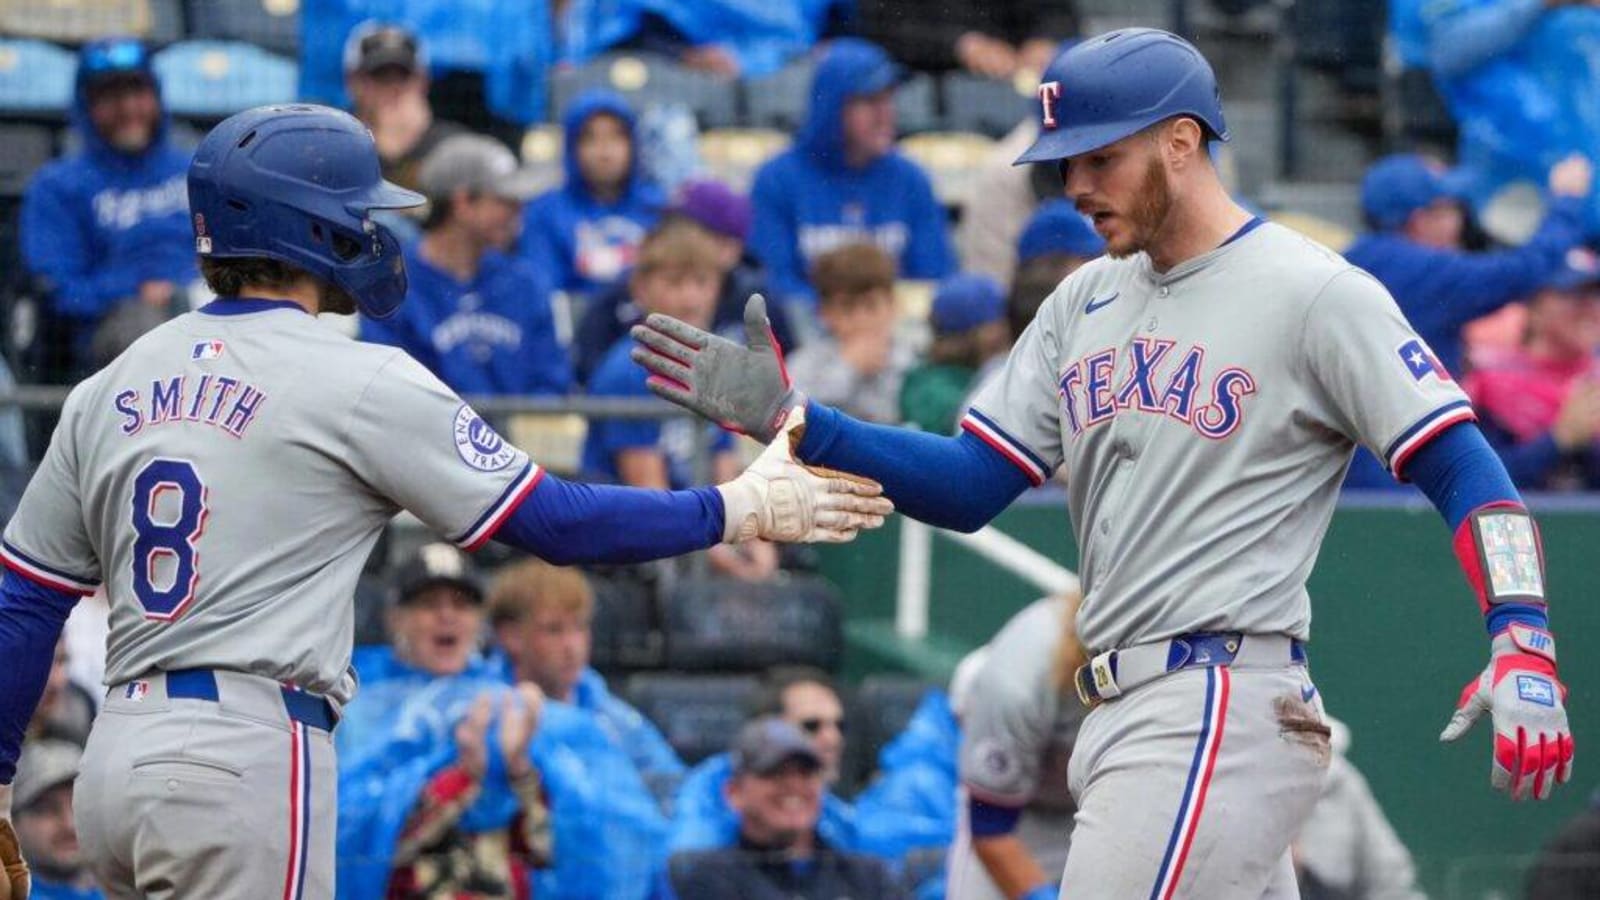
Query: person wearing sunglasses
[(105, 229), (805, 698)]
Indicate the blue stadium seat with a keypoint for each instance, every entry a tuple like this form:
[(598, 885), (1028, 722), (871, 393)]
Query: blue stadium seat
[(916, 104), (625, 635), (214, 79), (698, 714), (23, 148), (722, 624), (166, 22), (985, 105), (273, 24), (35, 78), (645, 80)]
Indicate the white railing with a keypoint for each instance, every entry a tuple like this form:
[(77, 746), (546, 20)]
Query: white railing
[(916, 562)]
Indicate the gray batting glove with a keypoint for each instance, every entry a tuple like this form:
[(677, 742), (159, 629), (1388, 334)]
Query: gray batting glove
[(744, 389)]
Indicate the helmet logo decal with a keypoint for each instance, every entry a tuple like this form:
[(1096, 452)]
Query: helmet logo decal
[(1049, 93), (202, 241)]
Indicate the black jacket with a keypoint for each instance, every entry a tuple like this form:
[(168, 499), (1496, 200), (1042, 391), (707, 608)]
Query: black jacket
[(747, 872)]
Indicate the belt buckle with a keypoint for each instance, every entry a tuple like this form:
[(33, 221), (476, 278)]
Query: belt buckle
[(1097, 681), (1083, 681)]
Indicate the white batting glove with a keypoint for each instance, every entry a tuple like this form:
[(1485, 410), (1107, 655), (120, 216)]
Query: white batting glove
[(1532, 741), (780, 499)]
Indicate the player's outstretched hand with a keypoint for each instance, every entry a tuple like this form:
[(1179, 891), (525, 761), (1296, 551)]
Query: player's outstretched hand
[(1527, 705), (13, 870), (779, 499), (744, 389)]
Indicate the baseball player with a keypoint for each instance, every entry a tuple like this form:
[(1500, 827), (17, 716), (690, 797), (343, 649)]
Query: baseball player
[(226, 478), (1019, 721), (1202, 388)]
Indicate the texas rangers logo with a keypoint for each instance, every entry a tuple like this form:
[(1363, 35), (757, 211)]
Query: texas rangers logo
[(1096, 388), (1420, 361), (1049, 94), (478, 444)]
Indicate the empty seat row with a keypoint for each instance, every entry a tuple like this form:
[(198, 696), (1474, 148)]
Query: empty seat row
[(273, 24)]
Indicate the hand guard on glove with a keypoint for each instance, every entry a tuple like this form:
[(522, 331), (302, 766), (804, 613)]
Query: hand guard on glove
[(13, 871), (1533, 744), (779, 499), (744, 389)]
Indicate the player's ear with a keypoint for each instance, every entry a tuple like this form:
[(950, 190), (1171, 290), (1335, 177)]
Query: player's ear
[(1182, 138)]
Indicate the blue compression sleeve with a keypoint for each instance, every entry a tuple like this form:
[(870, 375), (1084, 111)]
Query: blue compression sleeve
[(567, 523), (986, 820), (31, 618), (959, 483), (1459, 473)]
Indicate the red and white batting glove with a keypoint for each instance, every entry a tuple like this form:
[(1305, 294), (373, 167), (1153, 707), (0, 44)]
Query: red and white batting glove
[(1526, 702)]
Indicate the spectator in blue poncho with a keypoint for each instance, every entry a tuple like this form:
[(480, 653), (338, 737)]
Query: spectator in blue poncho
[(584, 234), (106, 229), (805, 698), (748, 38), (542, 617), (843, 181), (432, 783)]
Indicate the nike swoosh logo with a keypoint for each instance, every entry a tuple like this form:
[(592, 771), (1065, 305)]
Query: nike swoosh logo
[(1096, 304), (1306, 693)]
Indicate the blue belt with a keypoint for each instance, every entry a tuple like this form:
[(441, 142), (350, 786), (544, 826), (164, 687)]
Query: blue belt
[(201, 684), (1111, 674)]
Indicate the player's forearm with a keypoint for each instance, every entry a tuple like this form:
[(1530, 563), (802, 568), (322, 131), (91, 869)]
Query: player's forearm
[(31, 618), (567, 523), (1010, 865), (950, 482)]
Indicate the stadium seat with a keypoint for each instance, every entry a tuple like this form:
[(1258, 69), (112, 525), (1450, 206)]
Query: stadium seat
[(166, 22), (698, 714), (23, 148), (625, 635), (779, 101), (732, 155), (556, 441), (984, 105), (916, 104), (883, 705), (75, 21), (273, 24), (35, 78), (951, 159), (215, 79), (722, 624), (645, 80)]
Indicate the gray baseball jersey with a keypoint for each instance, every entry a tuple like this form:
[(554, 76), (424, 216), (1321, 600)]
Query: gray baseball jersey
[(1204, 418), (227, 477)]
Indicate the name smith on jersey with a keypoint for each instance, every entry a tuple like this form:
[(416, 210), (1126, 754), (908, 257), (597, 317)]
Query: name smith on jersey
[(215, 400)]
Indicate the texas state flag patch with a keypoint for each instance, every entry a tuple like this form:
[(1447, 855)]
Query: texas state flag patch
[(1420, 361), (207, 350)]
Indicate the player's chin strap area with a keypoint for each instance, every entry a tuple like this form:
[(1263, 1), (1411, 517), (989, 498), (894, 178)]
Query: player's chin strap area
[(1116, 672)]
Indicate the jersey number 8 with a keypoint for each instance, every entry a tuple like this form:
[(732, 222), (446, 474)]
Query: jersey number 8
[(169, 515)]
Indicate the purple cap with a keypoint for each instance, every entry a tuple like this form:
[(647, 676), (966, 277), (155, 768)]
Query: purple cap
[(715, 206)]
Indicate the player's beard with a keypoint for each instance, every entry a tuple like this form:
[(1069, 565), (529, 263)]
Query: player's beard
[(1152, 204), (333, 299)]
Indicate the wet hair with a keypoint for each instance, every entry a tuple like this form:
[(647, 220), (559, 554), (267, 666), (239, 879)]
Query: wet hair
[(229, 278)]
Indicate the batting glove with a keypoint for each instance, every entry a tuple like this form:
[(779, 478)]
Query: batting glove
[(13, 870), (744, 389), (1526, 702), (779, 499)]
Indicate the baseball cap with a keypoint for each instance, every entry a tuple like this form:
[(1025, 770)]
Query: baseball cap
[(437, 565), (113, 60), (1402, 183), (1581, 268), (481, 165), (1058, 227), (714, 206), (376, 45), (764, 745), (966, 301), (43, 765)]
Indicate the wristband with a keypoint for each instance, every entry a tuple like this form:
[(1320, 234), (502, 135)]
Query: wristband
[(1498, 547)]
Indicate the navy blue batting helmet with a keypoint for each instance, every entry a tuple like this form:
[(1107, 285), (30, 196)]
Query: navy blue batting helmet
[(298, 184), (1101, 90)]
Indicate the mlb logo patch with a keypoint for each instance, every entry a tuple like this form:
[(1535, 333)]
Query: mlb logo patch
[(207, 350), (1420, 361), (136, 690), (1536, 690)]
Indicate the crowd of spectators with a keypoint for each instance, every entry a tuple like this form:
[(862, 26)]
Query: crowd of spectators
[(485, 755)]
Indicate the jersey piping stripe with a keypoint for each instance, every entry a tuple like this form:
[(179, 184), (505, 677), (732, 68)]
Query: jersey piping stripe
[(1412, 439), (1194, 792), (1009, 447), (294, 879), (48, 576), (492, 518)]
